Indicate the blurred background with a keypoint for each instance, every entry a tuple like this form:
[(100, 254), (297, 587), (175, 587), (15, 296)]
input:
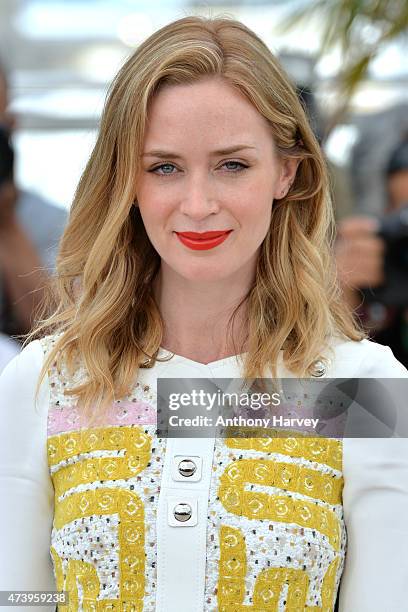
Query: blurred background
[(348, 59), (61, 56)]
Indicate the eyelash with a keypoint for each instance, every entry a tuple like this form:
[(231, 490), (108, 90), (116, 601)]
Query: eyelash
[(230, 161)]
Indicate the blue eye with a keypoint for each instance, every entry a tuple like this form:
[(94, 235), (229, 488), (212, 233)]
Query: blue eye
[(240, 168), (163, 166), (237, 163)]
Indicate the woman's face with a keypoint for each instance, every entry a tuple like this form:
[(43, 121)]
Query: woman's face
[(209, 164)]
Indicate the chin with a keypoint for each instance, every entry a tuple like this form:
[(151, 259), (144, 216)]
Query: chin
[(203, 272)]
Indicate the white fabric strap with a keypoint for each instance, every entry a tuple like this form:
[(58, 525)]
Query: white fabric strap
[(181, 546)]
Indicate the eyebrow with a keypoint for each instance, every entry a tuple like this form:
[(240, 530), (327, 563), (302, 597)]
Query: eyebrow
[(163, 154)]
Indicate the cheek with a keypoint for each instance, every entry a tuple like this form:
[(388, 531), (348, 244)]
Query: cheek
[(153, 209), (155, 198), (254, 208)]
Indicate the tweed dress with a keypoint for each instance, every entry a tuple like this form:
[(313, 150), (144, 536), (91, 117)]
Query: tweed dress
[(276, 538)]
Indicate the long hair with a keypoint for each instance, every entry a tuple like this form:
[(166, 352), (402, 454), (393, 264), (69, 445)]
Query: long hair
[(106, 313)]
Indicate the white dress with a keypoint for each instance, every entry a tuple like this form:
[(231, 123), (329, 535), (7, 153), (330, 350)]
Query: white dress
[(275, 524), (8, 349)]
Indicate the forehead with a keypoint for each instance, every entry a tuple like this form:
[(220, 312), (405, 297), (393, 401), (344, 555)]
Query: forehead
[(210, 108)]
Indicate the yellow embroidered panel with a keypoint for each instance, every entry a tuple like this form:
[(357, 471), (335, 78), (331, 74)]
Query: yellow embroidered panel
[(270, 584), (275, 536), (322, 450), (101, 527), (276, 531)]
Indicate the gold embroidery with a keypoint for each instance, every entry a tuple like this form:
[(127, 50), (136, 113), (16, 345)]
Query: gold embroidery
[(309, 484), (80, 572), (288, 476), (321, 450), (269, 584), (260, 505), (59, 573), (102, 501), (133, 440)]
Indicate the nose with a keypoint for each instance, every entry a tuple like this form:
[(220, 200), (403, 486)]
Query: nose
[(198, 200)]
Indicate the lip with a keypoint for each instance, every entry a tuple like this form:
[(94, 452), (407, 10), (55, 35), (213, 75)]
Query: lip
[(201, 241)]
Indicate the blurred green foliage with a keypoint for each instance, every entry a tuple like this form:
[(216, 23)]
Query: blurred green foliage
[(360, 28)]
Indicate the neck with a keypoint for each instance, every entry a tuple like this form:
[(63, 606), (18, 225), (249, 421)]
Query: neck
[(196, 316)]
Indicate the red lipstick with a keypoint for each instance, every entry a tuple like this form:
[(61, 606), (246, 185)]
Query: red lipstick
[(202, 241)]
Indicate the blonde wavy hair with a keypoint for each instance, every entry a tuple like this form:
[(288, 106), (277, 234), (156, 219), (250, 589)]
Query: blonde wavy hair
[(113, 323)]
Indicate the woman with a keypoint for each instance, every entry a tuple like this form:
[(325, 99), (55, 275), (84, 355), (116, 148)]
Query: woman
[(199, 245)]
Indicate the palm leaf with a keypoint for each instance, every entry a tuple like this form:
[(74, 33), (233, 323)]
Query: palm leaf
[(342, 26)]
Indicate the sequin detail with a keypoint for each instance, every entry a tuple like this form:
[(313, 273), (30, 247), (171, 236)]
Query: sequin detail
[(281, 544), (276, 539)]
